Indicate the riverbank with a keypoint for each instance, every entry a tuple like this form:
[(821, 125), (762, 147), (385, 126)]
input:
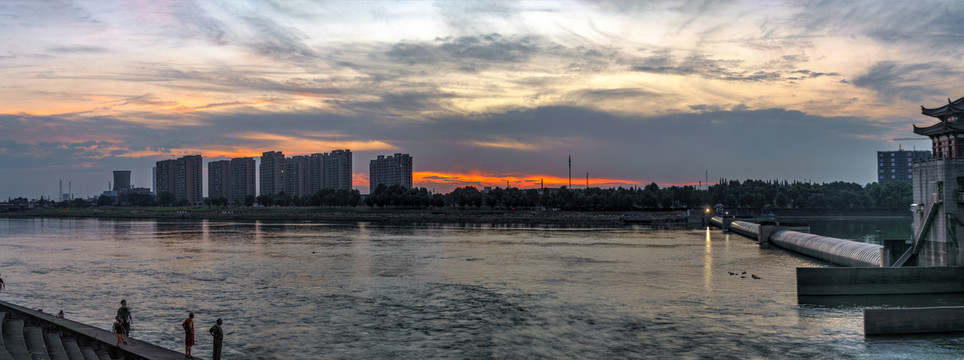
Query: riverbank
[(364, 214)]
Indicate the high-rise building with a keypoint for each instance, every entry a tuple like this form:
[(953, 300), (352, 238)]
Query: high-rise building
[(164, 177), (181, 177), (296, 176), (390, 170), (242, 179), (122, 181), (337, 171), (189, 185), (897, 165), (316, 172), (219, 179), (272, 172)]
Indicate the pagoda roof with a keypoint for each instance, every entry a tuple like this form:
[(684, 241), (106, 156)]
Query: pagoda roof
[(952, 107), (940, 128)]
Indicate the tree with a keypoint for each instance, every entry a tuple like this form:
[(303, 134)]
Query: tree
[(79, 203), (165, 198), (265, 200), (249, 200), (105, 200)]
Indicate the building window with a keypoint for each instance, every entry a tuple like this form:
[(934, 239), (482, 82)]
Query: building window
[(893, 176)]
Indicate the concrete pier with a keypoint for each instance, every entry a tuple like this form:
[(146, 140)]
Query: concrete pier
[(25, 331), (913, 320), (879, 281)]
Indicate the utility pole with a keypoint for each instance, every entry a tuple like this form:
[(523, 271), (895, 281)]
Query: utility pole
[(570, 171), (587, 180)]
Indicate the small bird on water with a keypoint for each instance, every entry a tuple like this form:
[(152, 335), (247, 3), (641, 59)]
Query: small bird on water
[(754, 276)]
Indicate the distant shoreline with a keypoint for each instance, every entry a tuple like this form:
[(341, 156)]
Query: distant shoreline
[(674, 219), (364, 214)]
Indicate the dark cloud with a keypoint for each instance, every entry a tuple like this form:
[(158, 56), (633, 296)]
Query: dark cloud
[(891, 80), (412, 54), (280, 42), (468, 53), (492, 47), (663, 62), (728, 142), (194, 21)]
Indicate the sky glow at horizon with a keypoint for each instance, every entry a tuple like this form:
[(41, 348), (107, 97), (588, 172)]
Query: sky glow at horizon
[(477, 92)]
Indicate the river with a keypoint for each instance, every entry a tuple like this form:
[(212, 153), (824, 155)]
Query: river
[(304, 290)]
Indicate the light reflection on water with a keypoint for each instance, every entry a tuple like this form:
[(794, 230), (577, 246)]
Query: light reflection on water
[(300, 290)]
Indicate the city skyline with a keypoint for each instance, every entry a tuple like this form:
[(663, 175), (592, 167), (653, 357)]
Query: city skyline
[(481, 92)]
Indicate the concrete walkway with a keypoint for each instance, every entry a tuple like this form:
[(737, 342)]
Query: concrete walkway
[(16, 320)]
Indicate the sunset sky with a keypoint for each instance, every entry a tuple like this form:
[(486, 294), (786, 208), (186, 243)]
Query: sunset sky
[(478, 92)]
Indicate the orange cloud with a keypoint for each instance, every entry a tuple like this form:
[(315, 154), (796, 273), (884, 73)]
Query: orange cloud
[(444, 182), (312, 143), (504, 144), (360, 182)]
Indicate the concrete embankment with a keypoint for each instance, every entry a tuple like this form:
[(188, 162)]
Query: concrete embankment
[(29, 334)]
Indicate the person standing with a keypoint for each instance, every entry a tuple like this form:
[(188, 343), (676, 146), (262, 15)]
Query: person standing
[(188, 326), (118, 330), (125, 314), (218, 335)]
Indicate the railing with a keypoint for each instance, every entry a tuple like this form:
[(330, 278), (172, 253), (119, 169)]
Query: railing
[(919, 235)]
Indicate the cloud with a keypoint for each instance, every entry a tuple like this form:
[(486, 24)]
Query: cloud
[(662, 62), (78, 49), (468, 53), (890, 80), (728, 142)]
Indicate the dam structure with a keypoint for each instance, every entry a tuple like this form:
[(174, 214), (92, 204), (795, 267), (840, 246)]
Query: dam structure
[(939, 190), (840, 252), (931, 262)]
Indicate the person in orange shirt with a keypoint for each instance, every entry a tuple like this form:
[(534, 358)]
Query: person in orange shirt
[(188, 326)]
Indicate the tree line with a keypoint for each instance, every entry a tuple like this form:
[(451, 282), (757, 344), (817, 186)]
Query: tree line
[(747, 194)]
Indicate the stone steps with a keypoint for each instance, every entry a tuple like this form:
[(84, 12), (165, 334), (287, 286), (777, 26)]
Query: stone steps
[(55, 347), (18, 342), (4, 355), (32, 335), (72, 350), (13, 339)]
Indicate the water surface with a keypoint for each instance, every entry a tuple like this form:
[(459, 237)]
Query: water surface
[(302, 290)]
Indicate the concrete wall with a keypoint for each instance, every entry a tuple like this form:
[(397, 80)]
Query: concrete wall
[(938, 181), (878, 281), (913, 320)]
